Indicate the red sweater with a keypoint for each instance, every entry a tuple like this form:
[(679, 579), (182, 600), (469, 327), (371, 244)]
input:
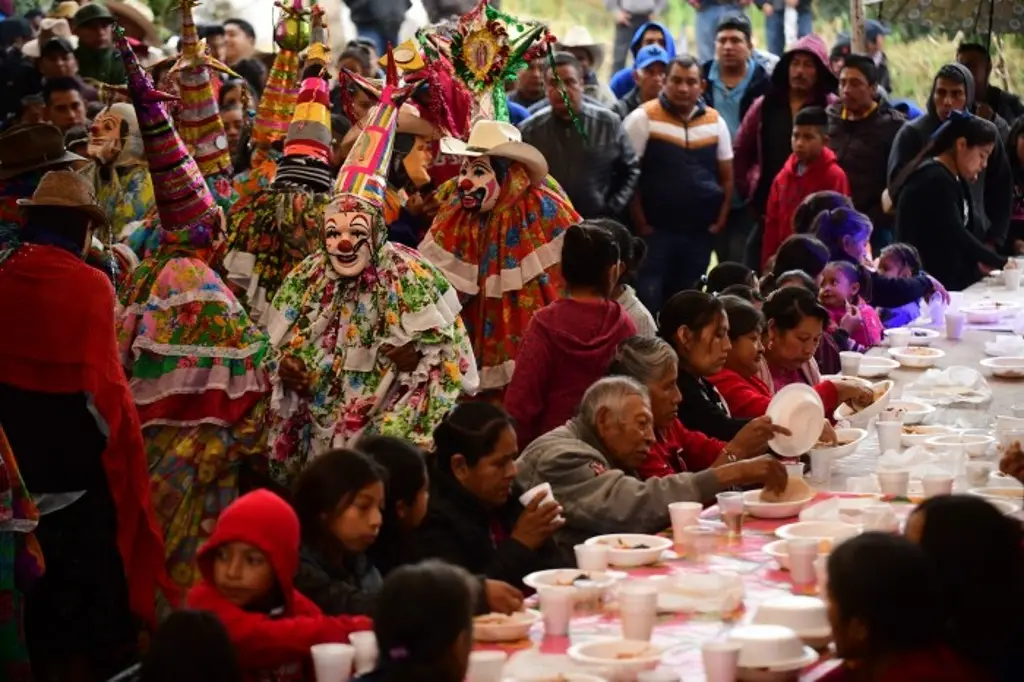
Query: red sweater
[(270, 647), (567, 347), (677, 450), (748, 398), (789, 188)]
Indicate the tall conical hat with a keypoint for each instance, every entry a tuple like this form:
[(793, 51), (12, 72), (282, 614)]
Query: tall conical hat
[(199, 119), (292, 35), (188, 214)]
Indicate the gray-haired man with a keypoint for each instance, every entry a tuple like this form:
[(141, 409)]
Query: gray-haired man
[(591, 462)]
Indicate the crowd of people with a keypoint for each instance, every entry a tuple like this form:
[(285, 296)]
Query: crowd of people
[(284, 349)]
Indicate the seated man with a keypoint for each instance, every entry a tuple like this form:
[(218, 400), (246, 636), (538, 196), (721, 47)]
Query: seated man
[(591, 462)]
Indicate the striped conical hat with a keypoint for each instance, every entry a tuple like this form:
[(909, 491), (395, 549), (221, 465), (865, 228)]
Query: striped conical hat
[(188, 214), (199, 119), (291, 34)]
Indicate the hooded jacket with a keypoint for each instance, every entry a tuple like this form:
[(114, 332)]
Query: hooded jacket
[(270, 646), (622, 82), (760, 156), (991, 193), (862, 150), (567, 347), (597, 496), (790, 187)]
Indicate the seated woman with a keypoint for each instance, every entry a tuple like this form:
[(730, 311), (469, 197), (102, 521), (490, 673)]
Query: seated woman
[(694, 323), (676, 449), (569, 342), (739, 382), (474, 517), (978, 555), (876, 582)]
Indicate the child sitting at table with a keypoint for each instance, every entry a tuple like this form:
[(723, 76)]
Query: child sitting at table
[(339, 497), (424, 624), (899, 261), (247, 567), (844, 288)]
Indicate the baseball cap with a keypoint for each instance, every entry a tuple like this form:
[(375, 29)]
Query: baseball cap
[(874, 28), (94, 11), (651, 54), (842, 49), (57, 44)]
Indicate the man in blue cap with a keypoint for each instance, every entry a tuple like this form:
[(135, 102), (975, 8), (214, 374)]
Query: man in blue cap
[(648, 77), (874, 39)]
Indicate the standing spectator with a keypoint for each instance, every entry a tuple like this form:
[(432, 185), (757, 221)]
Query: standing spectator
[(861, 132), (598, 171), (991, 101), (65, 107), (686, 184), (378, 20), (630, 18), (649, 78), (801, 79), (57, 60), (732, 81), (775, 21), (811, 168), (650, 33), (232, 118), (215, 37), (874, 35), (96, 55), (529, 84), (239, 41), (709, 18), (991, 192), (439, 10), (590, 54)]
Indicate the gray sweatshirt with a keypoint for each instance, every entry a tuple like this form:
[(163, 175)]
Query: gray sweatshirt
[(645, 7), (598, 498)]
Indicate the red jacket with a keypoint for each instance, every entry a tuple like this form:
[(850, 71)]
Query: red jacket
[(789, 188), (748, 398), (677, 450), (270, 647), (58, 336), (567, 347)]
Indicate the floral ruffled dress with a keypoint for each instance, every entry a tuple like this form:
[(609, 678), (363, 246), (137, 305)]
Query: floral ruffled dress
[(337, 328), (512, 254)]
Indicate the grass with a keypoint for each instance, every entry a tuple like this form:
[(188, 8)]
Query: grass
[(912, 63)]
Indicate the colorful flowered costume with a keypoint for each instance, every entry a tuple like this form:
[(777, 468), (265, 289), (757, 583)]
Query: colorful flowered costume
[(192, 354), (339, 326)]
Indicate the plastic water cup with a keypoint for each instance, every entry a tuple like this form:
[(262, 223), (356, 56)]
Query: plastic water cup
[(795, 470), (731, 505), (802, 553), (849, 362), (821, 468), (638, 607), (591, 557), (699, 541), (955, 323), (486, 666), (821, 574), (366, 653), (556, 605), (937, 484), (683, 514), (978, 473), (721, 660), (890, 435), (526, 498), (1011, 278), (332, 662), (899, 337), (894, 482)]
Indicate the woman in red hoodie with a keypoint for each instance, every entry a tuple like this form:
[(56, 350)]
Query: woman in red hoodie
[(247, 568), (741, 382), (570, 342), (887, 615)]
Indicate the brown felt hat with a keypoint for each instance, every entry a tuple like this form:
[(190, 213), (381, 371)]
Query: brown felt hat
[(31, 147)]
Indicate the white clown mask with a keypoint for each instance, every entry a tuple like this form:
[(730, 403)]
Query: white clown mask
[(348, 239), (478, 184)]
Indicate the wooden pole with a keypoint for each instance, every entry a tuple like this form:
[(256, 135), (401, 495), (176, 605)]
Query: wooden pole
[(857, 43)]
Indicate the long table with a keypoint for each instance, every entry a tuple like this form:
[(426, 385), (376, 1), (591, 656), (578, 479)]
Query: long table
[(682, 634)]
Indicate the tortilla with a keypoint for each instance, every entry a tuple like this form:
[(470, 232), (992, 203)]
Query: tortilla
[(796, 489)]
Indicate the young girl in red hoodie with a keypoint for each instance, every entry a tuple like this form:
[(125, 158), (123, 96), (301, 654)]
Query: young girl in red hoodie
[(570, 342), (247, 567), (844, 288)]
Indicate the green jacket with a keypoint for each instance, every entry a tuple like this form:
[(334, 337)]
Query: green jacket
[(103, 65)]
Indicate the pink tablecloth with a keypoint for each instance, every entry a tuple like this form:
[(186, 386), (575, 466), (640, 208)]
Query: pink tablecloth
[(683, 633)]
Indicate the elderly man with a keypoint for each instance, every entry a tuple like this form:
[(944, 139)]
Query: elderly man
[(591, 462)]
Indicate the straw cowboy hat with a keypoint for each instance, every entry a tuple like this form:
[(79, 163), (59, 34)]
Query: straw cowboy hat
[(31, 147), (64, 10), (411, 123), (496, 138), (66, 189), (578, 37), (49, 28)]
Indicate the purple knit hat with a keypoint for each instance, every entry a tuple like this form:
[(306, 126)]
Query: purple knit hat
[(188, 214)]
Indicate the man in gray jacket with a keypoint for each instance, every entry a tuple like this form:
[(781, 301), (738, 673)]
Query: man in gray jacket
[(439, 10), (590, 464)]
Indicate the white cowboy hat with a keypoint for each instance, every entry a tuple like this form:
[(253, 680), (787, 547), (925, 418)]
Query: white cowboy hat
[(49, 28), (496, 138), (579, 37)]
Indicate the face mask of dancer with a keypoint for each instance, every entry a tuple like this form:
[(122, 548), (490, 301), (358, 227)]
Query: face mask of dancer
[(347, 239), (479, 186), (106, 137)]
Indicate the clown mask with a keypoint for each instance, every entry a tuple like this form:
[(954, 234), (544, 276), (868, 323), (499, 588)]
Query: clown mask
[(348, 234), (478, 184), (106, 137), (418, 160)]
